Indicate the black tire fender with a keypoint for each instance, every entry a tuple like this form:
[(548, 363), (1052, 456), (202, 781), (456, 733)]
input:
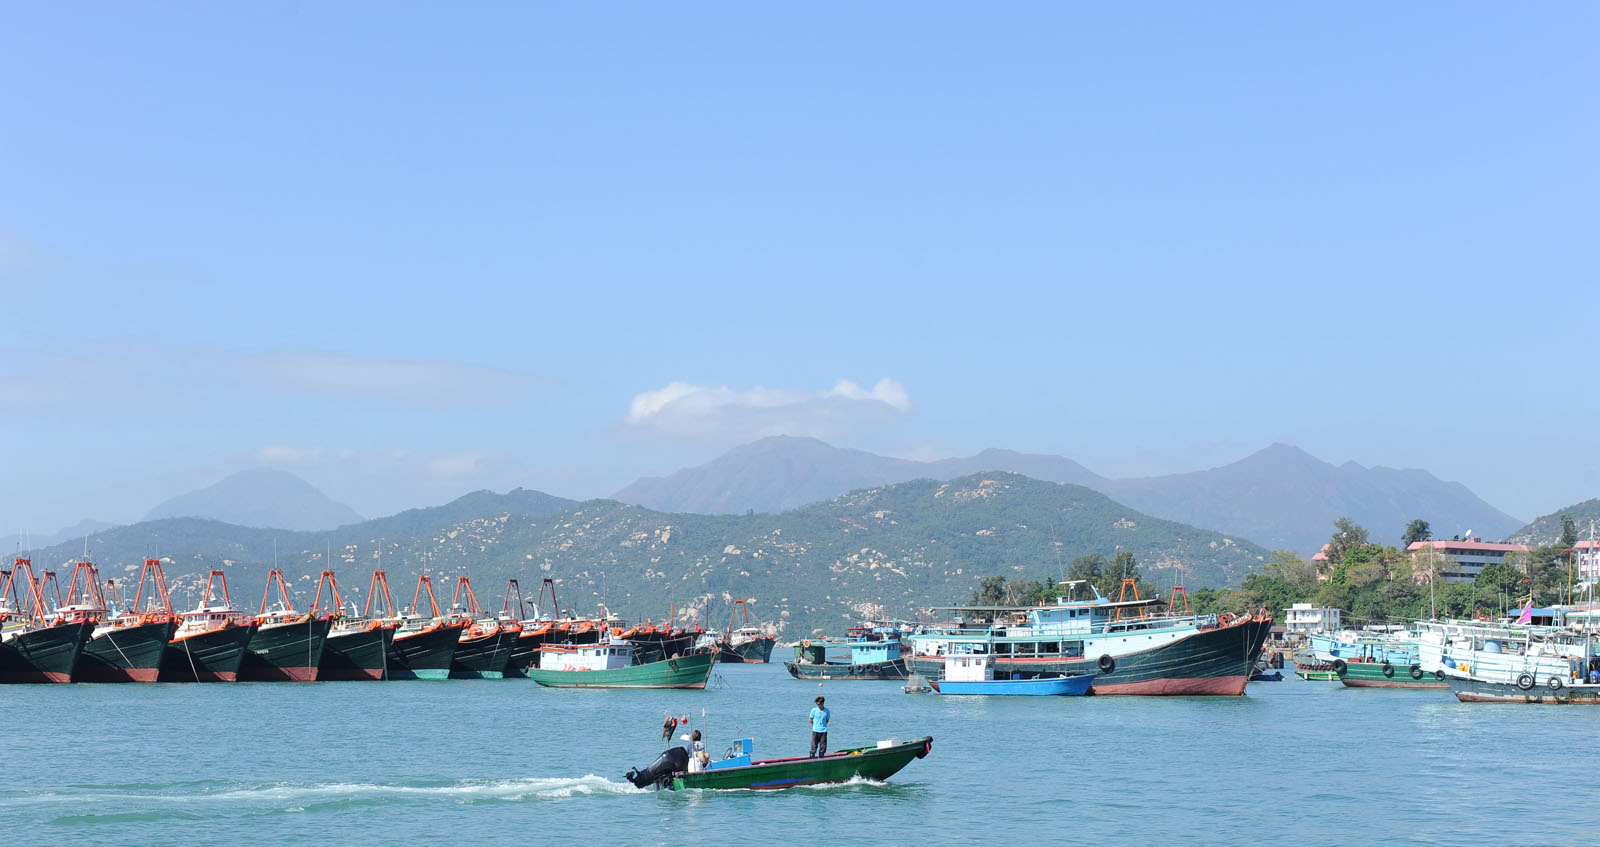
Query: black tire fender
[(1416, 672), (1388, 670), (1555, 683), (1339, 667), (1525, 681), (1107, 664)]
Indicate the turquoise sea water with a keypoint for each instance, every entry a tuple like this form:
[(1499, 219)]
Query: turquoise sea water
[(505, 761)]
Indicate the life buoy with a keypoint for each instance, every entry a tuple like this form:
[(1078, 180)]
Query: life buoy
[(805, 643), (1525, 681), (1388, 670), (1554, 683), (1416, 672), (1107, 664), (1339, 667)]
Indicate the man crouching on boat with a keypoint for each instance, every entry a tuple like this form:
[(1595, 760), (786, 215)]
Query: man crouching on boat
[(819, 729)]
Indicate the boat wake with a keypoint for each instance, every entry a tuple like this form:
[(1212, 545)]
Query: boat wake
[(193, 800)]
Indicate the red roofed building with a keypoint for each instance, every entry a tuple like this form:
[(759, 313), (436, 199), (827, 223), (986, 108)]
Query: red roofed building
[(1460, 561)]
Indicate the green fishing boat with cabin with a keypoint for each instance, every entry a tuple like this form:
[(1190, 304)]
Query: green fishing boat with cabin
[(610, 665)]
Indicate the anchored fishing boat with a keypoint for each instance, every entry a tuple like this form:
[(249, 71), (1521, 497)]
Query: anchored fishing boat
[(485, 643), (209, 643), (739, 770), (357, 647), (973, 673), (868, 660), (287, 645), (748, 643), (34, 646), (1500, 663), (1384, 663), (126, 646), (424, 645), (610, 665), (1129, 649)]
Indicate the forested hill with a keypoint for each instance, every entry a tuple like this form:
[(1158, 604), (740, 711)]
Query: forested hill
[(1547, 530), (893, 549)]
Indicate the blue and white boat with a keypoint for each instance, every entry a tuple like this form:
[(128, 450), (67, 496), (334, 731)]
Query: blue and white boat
[(973, 673)]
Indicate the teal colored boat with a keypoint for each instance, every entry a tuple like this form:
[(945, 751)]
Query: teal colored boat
[(879, 762), (610, 665)]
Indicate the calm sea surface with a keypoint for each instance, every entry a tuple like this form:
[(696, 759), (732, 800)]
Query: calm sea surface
[(505, 761)]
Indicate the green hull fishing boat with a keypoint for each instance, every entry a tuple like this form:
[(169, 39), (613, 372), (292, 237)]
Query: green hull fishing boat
[(1370, 674), (877, 763), (610, 666)]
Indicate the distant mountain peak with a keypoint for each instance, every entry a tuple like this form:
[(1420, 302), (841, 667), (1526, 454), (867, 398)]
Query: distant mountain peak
[(265, 498)]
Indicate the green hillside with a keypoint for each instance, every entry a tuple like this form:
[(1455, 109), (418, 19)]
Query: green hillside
[(889, 550), (1547, 530)]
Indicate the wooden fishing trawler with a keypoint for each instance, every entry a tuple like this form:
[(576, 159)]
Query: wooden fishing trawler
[(739, 770), (209, 642), (748, 643), (1128, 648), (423, 646), (610, 665), (485, 643), (126, 646), (357, 647), (34, 645), (287, 645), (868, 660), (1512, 663)]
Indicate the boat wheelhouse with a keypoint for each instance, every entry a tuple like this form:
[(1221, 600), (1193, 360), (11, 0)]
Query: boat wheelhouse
[(1128, 648), (209, 643), (610, 665), (973, 673), (867, 660)]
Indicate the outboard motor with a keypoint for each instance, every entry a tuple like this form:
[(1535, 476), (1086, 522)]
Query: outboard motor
[(671, 761)]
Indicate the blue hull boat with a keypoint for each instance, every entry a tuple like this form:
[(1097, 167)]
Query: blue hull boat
[(1075, 685)]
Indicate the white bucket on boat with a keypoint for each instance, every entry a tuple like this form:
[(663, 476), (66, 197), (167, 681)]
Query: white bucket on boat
[(889, 742)]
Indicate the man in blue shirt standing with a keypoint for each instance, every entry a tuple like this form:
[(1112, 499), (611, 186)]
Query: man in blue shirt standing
[(819, 729)]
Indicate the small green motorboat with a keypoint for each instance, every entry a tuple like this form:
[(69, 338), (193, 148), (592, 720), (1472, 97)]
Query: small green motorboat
[(610, 665), (879, 762)]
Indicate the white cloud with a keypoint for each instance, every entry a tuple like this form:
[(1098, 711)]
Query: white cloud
[(683, 410)]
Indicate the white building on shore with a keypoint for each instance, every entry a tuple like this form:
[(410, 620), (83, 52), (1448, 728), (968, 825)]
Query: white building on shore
[(1304, 618), (1460, 561)]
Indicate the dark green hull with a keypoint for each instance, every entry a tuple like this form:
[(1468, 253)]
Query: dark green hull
[(208, 657), (683, 672), (484, 657), (892, 669), (1379, 675), (756, 650), (864, 762), (288, 652), (127, 654), (524, 652), (45, 654), (360, 655), (424, 655), (1208, 662)]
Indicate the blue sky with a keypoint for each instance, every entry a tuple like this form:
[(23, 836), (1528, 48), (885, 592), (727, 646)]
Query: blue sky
[(410, 250)]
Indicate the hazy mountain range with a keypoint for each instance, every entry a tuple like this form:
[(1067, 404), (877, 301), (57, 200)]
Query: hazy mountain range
[(894, 549), (261, 497), (1280, 497)]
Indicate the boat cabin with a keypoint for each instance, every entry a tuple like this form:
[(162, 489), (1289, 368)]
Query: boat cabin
[(738, 755), (585, 657), (969, 667)]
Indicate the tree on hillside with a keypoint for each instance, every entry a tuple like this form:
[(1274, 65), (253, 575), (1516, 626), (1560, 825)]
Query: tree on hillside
[(1500, 578), (991, 591), (1088, 568), (1295, 572), (1416, 531), (1347, 536), (1123, 566), (1569, 532), (1022, 592)]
